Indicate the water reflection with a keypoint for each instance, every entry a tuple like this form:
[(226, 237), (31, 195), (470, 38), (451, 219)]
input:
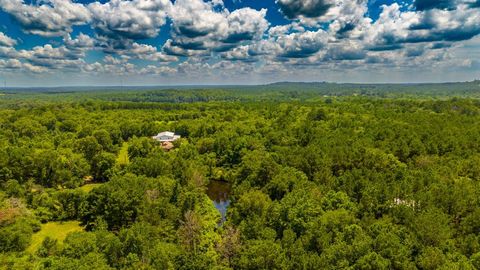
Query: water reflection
[(219, 193)]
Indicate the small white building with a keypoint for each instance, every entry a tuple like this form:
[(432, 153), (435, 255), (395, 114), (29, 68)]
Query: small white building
[(166, 136), (409, 203)]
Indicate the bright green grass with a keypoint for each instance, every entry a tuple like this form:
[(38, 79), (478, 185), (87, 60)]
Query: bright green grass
[(89, 187), (122, 158), (55, 230)]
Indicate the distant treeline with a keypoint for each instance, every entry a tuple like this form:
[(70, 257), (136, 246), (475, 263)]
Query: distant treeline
[(273, 92)]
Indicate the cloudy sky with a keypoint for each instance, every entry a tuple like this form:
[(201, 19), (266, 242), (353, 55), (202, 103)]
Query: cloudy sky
[(153, 42)]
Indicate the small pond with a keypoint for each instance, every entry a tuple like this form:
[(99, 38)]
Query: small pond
[(219, 192)]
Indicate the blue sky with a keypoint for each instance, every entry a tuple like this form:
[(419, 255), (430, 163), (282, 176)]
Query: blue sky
[(164, 42)]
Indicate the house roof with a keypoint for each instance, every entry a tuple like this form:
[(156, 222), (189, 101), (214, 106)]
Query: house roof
[(166, 133)]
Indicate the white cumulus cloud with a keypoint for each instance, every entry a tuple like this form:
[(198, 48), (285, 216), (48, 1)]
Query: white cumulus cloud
[(50, 18)]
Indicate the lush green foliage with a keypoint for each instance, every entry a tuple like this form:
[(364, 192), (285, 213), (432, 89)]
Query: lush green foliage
[(318, 182)]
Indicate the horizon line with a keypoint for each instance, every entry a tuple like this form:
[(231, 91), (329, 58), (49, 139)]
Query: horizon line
[(232, 85)]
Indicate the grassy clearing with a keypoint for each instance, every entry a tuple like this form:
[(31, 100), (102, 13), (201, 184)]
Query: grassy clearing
[(89, 187), (55, 230), (122, 158)]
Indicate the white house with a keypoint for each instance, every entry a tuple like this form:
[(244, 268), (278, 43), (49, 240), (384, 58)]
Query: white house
[(166, 136)]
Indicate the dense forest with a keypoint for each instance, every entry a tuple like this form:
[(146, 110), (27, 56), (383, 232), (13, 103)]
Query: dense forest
[(387, 178)]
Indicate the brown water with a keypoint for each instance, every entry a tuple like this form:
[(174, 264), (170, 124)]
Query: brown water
[(219, 192)]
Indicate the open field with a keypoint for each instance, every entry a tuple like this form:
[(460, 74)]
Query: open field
[(122, 158), (89, 187), (54, 230)]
